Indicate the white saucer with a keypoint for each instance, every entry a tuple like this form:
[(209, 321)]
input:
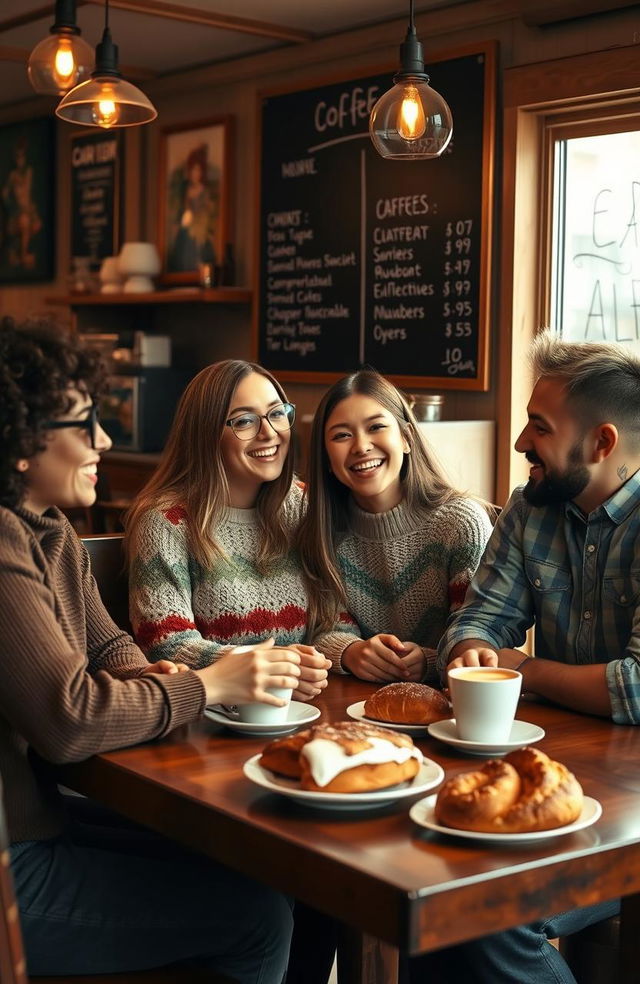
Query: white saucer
[(422, 813), (522, 733), (299, 715), (429, 775), (356, 711)]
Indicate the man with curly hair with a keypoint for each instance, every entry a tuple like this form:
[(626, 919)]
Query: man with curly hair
[(95, 895)]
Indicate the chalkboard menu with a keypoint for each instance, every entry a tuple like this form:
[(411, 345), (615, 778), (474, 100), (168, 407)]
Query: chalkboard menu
[(366, 261), (96, 164)]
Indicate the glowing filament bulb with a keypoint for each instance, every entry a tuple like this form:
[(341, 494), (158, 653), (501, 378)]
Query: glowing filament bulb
[(64, 62), (105, 111), (411, 120)]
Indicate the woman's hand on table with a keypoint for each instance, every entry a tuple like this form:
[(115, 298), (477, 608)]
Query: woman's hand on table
[(314, 670), (243, 677), (165, 666), (378, 659)]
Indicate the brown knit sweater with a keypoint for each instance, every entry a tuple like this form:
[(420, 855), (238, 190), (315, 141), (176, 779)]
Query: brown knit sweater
[(69, 678)]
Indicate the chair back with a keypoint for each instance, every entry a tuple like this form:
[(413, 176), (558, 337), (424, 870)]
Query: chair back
[(12, 963), (108, 567)]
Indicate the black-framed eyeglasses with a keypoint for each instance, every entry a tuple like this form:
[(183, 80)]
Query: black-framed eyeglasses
[(88, 423), (247, 425)]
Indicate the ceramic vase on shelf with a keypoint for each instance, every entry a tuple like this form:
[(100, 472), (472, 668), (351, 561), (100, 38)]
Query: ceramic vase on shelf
[(139, 262), (110, 276)]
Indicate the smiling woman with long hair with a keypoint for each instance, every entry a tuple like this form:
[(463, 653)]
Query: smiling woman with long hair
[(385, 536), (212, 563)]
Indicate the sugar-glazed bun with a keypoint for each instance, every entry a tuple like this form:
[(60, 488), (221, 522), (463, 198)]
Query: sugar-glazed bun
[(523, 792), (345, 757), (407, 703)]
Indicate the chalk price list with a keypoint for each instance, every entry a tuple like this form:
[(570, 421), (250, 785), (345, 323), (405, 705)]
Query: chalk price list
[(458, 309), (299, 285)]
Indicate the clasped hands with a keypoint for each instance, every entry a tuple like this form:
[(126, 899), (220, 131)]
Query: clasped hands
[(384, 657)]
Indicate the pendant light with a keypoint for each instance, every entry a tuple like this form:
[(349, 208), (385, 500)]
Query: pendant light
[(63, 59), (411, 122), (106, 99)]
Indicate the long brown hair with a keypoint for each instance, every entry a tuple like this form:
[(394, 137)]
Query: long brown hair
[(423, 484), (192, 475)]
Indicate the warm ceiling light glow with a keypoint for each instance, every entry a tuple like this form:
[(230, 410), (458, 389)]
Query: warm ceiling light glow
[(106, 99), (63, 59), (411, 121)]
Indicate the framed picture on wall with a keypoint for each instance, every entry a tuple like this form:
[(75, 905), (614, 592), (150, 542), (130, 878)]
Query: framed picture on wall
[(27, 215), (96, 186), (194, 203)]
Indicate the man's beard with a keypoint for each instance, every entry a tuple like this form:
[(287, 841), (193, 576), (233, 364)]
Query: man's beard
[(558, 486)]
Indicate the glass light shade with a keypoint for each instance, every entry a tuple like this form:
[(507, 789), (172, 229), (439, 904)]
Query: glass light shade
[(106, 101), (411, 121), (60, 62), (139, 262)]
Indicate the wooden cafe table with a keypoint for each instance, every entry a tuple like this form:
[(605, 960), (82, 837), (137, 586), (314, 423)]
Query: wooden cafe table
[(375, 870)]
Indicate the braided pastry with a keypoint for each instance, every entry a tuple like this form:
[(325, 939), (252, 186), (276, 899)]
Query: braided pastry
[(523, 792)]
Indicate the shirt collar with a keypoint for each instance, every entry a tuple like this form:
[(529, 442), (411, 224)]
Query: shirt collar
[(619, 506)]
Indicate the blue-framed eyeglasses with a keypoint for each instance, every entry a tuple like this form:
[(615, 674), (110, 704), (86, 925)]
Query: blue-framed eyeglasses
[(88, 423), (247, 425)]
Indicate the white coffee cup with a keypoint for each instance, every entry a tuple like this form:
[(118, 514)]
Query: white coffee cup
[(258, 713), (484, 702)]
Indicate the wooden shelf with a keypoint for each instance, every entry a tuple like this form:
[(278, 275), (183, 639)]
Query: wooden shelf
[(185, 295)]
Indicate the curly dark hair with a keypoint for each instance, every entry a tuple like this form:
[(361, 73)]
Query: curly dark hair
[(39, 363)]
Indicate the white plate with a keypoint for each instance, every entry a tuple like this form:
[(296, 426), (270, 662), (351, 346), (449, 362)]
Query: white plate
[(356, 711), (522, 733), (299, 715), (429, 775), (422, 813)]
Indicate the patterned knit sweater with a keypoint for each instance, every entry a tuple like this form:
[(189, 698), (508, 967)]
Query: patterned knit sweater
[(181, 611), (405, 572), (69, 677)]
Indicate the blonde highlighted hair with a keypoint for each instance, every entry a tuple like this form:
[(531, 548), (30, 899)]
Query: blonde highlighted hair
[(326, 517), (191, 474)]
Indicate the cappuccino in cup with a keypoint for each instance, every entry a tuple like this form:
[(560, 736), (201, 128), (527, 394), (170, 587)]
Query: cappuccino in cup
[(484, 702)]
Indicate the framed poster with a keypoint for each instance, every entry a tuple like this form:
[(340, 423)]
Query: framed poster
[(194, 203), (27, 215), (96, 205)]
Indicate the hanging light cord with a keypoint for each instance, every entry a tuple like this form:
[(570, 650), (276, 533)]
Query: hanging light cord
[(412, 23)]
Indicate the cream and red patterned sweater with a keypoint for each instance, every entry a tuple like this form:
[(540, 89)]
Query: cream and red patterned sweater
[(183, 612)]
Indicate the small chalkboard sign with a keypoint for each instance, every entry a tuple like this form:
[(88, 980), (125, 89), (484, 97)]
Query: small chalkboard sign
[(366, 261), (96, 166)]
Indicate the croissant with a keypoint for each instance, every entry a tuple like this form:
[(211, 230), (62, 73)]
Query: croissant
[(525, 791), (407, 703)]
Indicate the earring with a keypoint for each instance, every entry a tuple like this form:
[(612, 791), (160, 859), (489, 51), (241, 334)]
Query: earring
[(22, 464)]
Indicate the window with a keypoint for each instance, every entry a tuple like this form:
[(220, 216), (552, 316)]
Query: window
[(595, 237)]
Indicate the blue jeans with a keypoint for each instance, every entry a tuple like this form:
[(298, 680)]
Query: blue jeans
[(516, 956), (110, 897)]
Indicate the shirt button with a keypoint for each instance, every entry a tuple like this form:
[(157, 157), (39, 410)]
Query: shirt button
[(590, 548), (623, 599), (587, 615), (537, 582)]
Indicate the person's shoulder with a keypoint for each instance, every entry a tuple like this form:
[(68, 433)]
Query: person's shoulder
[(12, 528), (295, 500), (463, 511), (171, 518)]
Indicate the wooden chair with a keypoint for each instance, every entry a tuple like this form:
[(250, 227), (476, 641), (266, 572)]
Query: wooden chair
[(108, 566)]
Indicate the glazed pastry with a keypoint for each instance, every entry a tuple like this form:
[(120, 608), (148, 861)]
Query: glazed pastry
[(346, 757)]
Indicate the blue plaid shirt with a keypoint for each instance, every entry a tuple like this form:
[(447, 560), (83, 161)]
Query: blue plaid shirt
[(576, 577)]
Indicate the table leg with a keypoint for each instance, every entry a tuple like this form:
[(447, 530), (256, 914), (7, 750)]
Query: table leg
[(629, 938), (364, 959)]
